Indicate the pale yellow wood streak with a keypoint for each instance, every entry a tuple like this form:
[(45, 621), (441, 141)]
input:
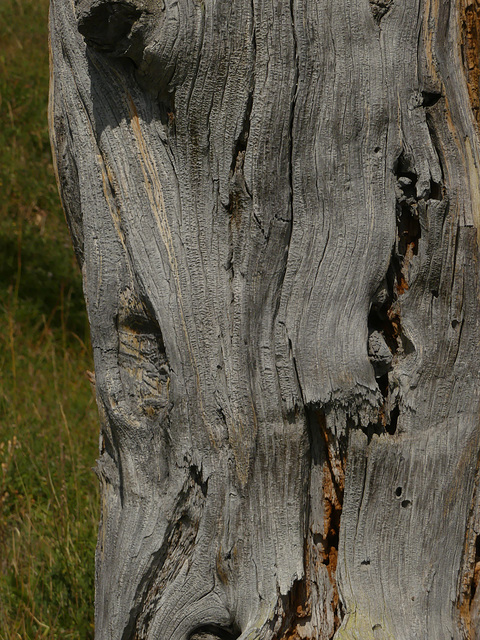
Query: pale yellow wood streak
[(157, 203), (107, 184)]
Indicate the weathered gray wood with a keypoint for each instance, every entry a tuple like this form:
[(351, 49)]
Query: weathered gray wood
[(276, 209)]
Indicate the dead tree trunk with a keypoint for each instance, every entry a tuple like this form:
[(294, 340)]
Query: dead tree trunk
[(276, 206)]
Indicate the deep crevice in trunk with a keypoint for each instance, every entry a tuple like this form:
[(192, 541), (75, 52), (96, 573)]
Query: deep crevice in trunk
[(240, 147), (331, 453), (388, 342), (321, 546), (212, 632)]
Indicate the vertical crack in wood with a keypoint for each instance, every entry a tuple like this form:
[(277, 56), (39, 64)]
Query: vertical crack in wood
[(475, 578), (238, 186), (292, 118), (295, 610), (240, 147), (468, 601), (388, 342), (469, 604), (333, 492), (299, 617)]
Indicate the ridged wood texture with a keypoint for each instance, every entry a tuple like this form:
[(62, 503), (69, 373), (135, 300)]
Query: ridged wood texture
[(276, 207)]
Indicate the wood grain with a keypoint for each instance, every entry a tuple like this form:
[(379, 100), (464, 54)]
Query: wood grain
[(276, 209)]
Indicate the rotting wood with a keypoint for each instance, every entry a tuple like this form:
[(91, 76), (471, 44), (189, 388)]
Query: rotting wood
[(276, 210), (470, 34)]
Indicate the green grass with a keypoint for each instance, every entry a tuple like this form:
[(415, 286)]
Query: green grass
[(48, 420)]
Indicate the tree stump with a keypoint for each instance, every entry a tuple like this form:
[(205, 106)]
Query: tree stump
[(276, 207)]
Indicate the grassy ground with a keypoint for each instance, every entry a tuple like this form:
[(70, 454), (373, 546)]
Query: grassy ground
[(48, 423)]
